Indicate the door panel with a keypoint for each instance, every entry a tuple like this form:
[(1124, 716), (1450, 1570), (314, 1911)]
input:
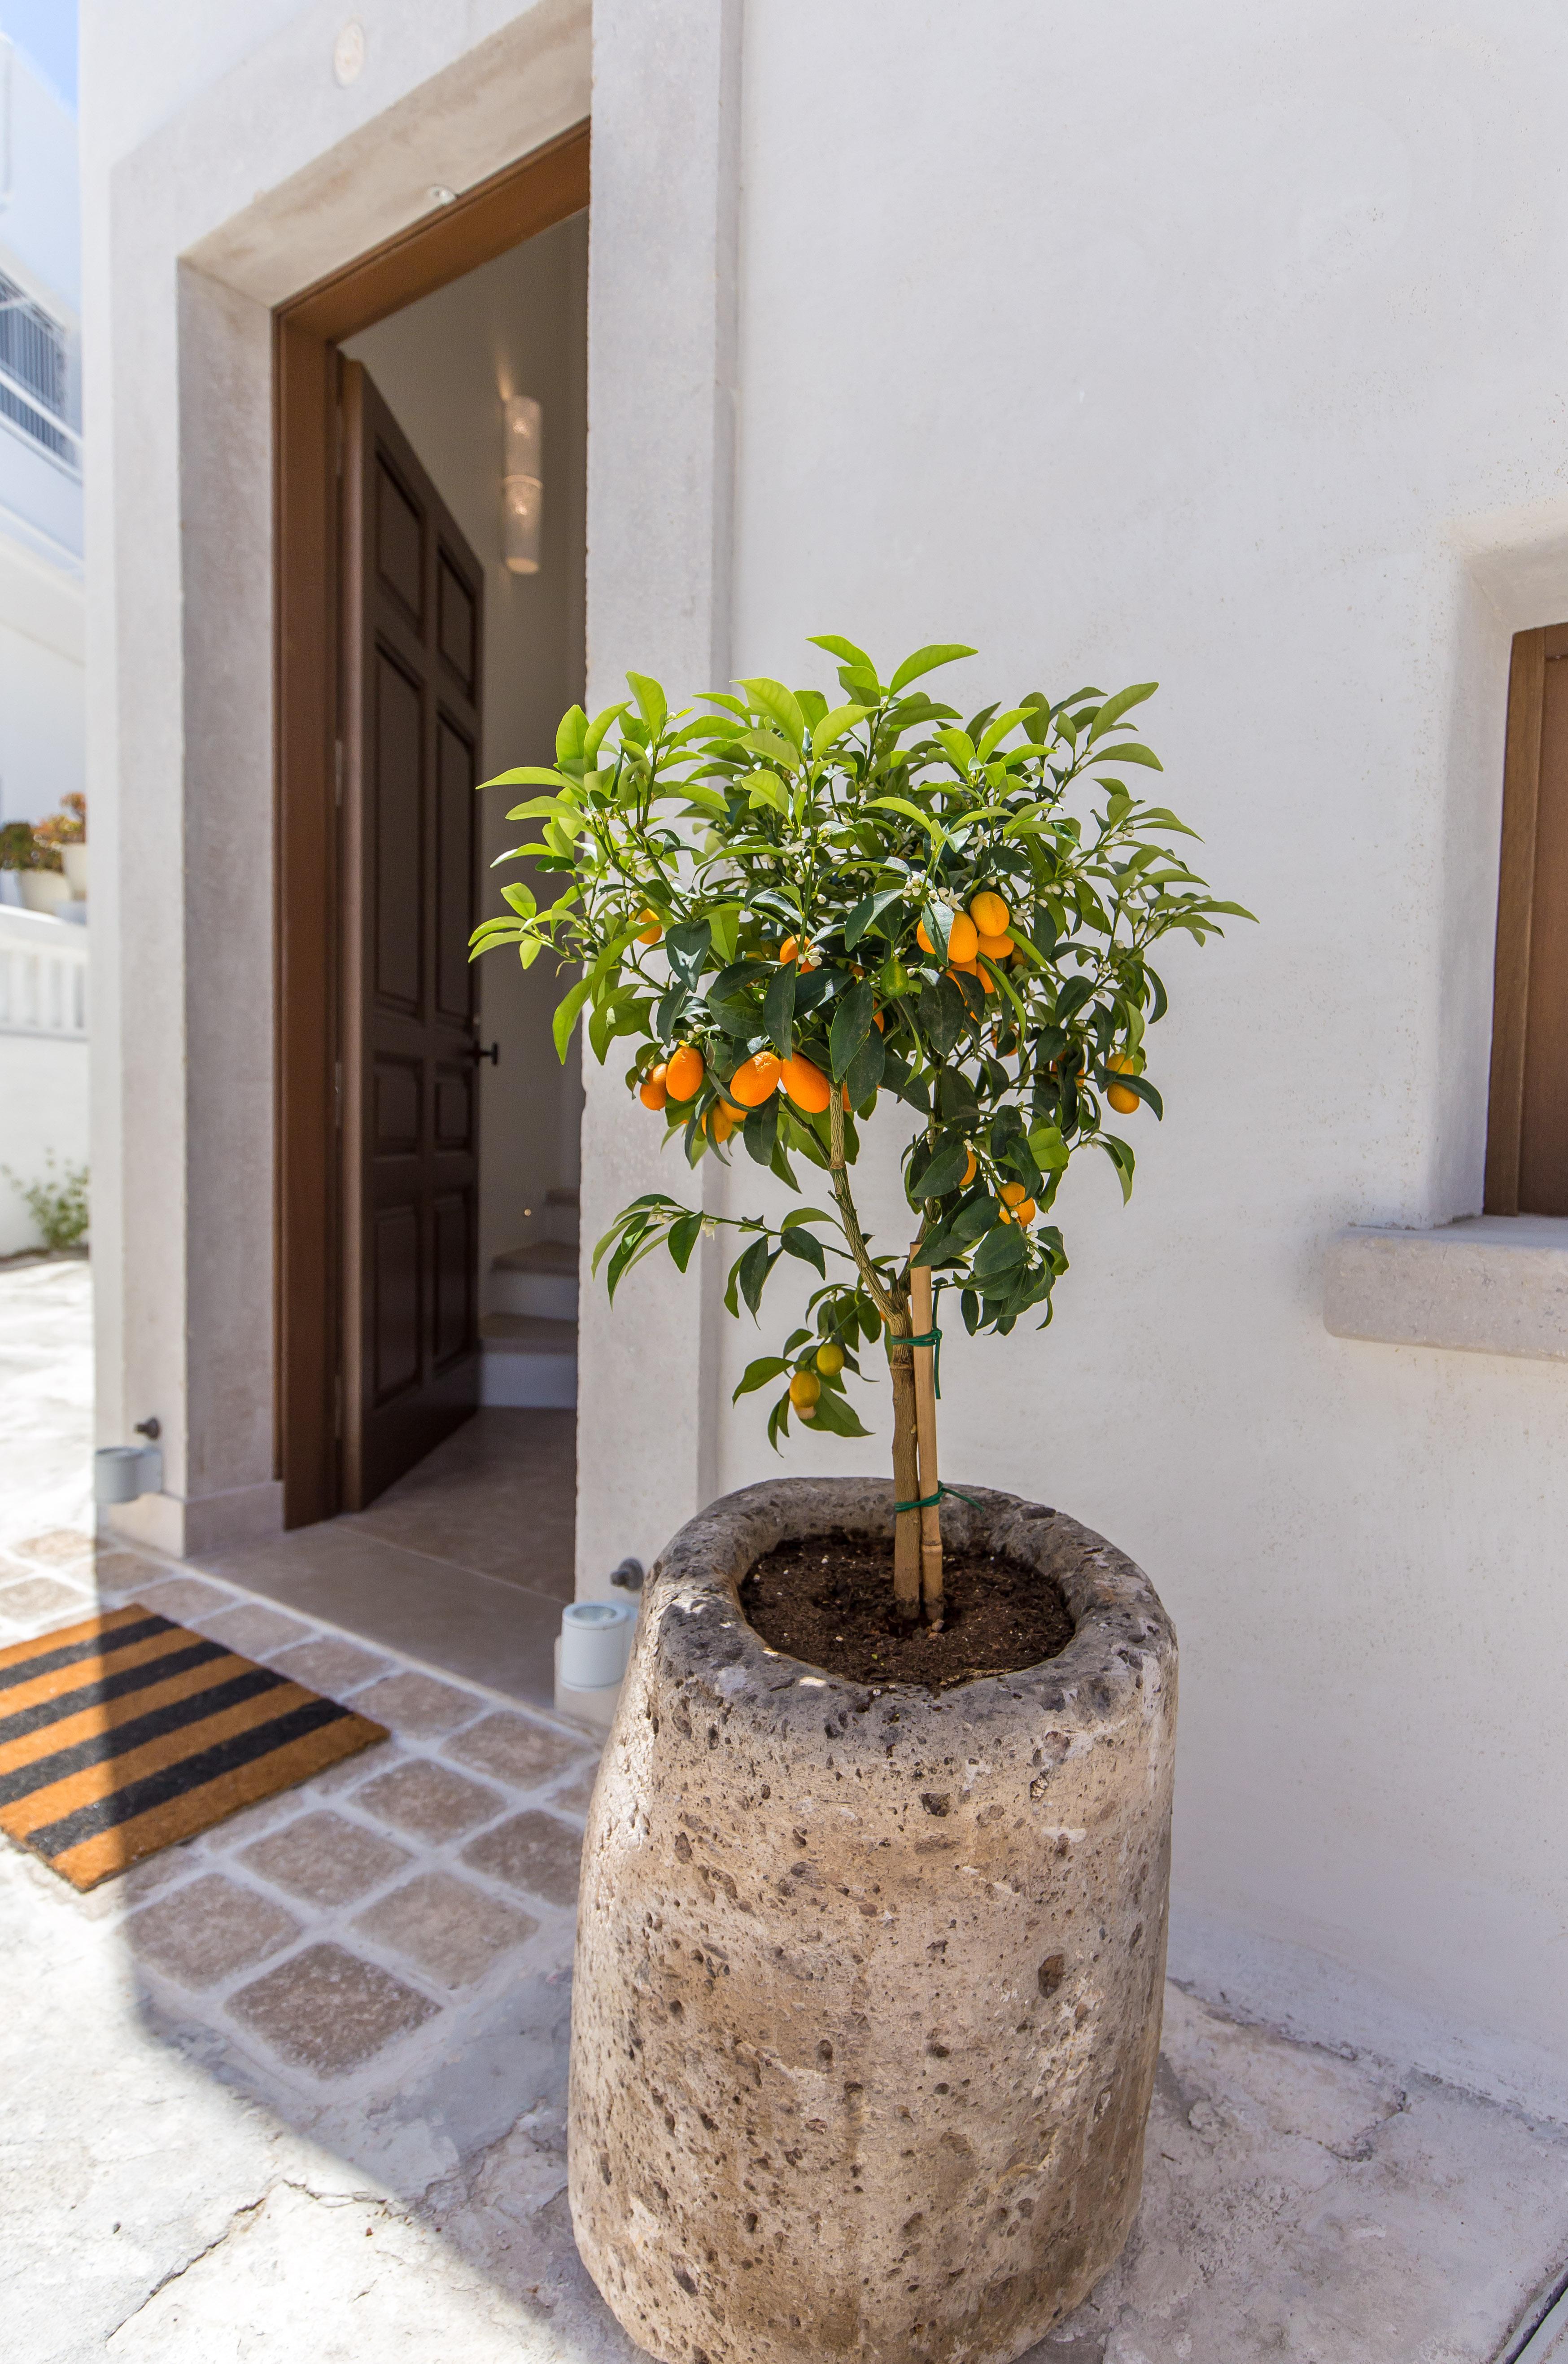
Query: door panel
[(412, 628)]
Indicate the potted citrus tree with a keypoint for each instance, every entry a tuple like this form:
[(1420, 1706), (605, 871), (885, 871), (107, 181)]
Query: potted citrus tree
[(888, 1753)]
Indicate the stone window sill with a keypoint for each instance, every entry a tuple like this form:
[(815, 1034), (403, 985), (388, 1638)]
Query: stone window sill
[(1487, 1284)]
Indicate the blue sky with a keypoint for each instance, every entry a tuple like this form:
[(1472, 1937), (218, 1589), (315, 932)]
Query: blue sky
[(45, 31)]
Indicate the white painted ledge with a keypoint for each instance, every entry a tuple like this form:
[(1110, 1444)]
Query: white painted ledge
[(1488, 1284)]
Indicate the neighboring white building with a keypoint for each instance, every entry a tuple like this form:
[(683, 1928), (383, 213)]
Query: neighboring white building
[(41, 701), (43, 1043), (1217, 346)]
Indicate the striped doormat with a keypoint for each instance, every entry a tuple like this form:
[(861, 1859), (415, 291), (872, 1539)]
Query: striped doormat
[(126, 1733)]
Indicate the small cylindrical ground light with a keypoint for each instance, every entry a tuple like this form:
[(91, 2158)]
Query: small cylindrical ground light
[(522, 483), (122, 1473), (596, 1641)]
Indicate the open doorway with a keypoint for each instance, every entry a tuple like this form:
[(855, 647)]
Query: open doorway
[(428, 1134)]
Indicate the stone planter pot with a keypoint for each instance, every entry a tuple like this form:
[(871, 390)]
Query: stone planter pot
[(867, 2001), (43, 890)]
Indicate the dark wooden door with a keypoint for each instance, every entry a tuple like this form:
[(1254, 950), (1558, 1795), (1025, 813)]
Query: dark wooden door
[(413, 615)]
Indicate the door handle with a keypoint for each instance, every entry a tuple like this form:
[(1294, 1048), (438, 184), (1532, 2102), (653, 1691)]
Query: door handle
[(478, 1054)]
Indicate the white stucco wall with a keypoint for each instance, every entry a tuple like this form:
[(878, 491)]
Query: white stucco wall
[(1206, 345), (516, 326)]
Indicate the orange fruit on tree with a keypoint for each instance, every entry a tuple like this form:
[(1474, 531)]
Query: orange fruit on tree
[(969, 1171), (1013, 1194), (652, 926), (807, 1086), (1122, 1099), (1021, 1209), (831, 1359), (989, 913), (755, 1079), (682, 1076), (803, 1391), (796, 948), (997, 948), (962, 939), (720, 1121), (653, 1092)]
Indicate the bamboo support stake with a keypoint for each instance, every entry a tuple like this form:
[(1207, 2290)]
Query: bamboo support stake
[(922, 1317)]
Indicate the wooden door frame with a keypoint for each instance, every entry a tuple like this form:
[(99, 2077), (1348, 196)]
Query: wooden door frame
[(531, 195)]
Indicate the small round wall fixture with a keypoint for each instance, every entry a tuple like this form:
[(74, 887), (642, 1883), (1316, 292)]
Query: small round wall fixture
[(440, 195), (349, 54)]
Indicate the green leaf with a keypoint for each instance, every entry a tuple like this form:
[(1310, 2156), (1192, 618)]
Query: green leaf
[(1050, 1152), (833, 726), (725, 921), (770, 747), (996, 730), (1000, 1254), (944, 1172), (571, 734), (1115, 708), (1122, 1157), (845, 651), (684, 1237), (1132, 751), (865, 1070), (686, 948), (778, 1010), (761, 1132), (519, 898), (758, 1374), (764, 788), (527, 776), (781, 704), (753, 1270), (651, 700), (928, 821), (851, 1024), (565, 1018), (938, 653), (865, 915), (943, 1015), (806, 1246), (598, 729), (959, 749), (838, 1416)]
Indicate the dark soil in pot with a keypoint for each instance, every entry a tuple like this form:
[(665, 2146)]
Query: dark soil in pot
[(828, 1600)]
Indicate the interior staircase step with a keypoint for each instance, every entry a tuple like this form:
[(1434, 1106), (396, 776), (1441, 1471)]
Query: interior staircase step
[(560, 1215), (527, 1363), (516, 1332), (541, 1255)]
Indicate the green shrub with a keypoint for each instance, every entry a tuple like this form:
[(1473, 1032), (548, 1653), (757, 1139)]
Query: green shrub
[(58, 1206)]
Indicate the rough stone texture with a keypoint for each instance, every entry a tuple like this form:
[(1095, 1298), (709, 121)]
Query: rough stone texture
[(446, 1926), (417, 1706), (255, 1630), (327, 2010), (209, 1930), (1488, 1284), (323, 1859), (59, 1547), (430, 1801), (534, 1851), (889, 1964), (515, 1750)]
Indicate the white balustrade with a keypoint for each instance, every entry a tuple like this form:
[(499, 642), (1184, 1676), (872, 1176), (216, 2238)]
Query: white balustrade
[(43, 975)]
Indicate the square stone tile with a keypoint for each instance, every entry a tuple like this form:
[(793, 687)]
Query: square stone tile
[(572, 1797), (254, 1630), (184, 1597), (117, 1574), (446, 1926), (251, 1820), (353, 1770), (535, 1852), (208, 1929), (429, 1799), (514, 1749), (329, 1665), (417, 1706), (323, 1859), (39, 1596), (327, 2010), (58, 1547)]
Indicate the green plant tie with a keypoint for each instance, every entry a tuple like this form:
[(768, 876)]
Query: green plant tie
[(929, 1501)]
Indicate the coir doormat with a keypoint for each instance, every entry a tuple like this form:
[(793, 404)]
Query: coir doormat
[(126, 1734)]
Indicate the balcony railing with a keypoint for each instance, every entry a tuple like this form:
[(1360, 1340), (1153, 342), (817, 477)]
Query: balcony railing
[(43, 975)]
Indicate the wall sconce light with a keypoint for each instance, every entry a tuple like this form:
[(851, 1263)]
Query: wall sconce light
[(522, 488)]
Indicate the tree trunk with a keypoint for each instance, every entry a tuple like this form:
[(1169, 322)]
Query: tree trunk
[(922, 1316), (906, 1475)]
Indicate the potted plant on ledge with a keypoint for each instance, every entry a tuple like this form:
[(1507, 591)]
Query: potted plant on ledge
[(872, 1939)]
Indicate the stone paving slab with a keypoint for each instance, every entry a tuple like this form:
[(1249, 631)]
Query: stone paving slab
[(246, 2118)]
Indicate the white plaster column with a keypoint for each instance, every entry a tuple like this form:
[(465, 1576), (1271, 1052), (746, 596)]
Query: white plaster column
[(662, 311)]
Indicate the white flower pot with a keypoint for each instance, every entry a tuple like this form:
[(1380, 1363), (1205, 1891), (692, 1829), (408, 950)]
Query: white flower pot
[(44, 890), (75, 860)]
